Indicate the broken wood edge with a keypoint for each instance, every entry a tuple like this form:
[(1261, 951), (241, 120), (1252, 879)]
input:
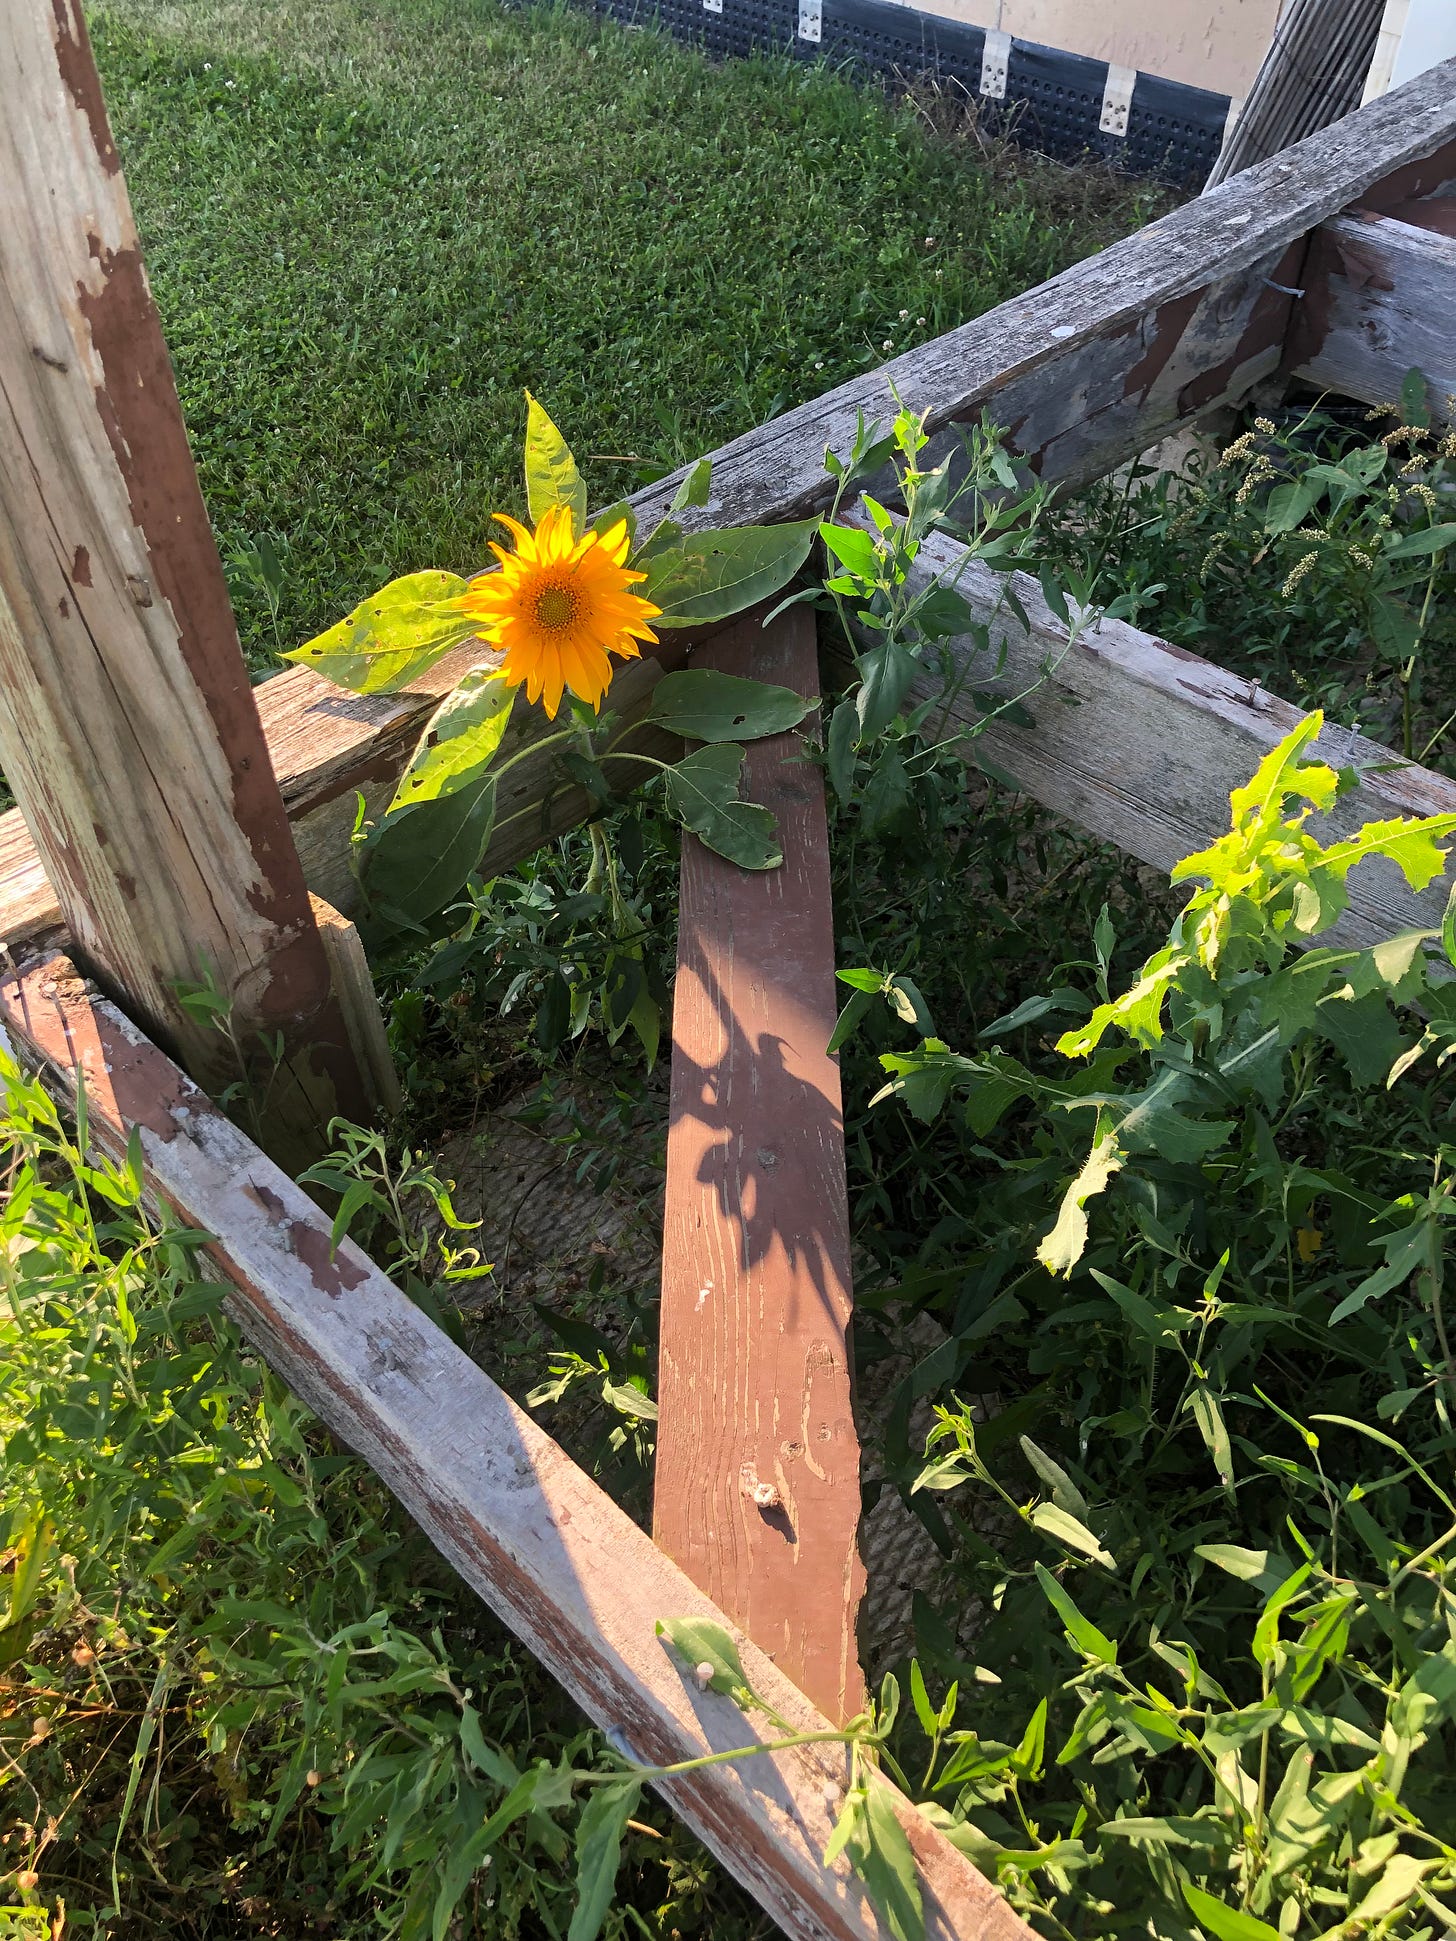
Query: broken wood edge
[(359, 1001), (1140, 743), (557, 1560), (1379, 297)]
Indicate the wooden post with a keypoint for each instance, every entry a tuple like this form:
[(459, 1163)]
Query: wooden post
[(757, 1482), (128, 728)]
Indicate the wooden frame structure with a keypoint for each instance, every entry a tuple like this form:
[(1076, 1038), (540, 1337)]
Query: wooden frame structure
[(1334, 261)]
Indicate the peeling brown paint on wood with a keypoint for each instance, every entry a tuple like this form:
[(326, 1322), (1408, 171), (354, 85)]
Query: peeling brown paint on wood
[(547, 1549), (757, 1487), (1382, 293), (77, 69), (1086, 326), (128, 728)]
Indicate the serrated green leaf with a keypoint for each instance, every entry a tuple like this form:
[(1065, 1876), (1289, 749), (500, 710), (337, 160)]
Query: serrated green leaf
[(391, 638), (702, 791), (551, 475), (701, 704), (1063, 1247), (1410, 842)]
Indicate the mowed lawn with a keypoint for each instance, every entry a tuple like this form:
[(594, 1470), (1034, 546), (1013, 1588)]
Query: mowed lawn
[(371, 223)]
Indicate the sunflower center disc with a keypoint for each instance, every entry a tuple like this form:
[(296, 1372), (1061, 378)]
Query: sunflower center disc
[(555, 606)]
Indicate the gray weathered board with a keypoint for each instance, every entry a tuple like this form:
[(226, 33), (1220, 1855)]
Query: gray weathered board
[(1094, 365), (552, 1554), (1141, 742), (1117, 351), (1381, 299)]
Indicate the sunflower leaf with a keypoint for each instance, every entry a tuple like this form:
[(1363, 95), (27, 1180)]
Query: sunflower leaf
[(393, 637), (702, 792), (703, 705), (713, 575), (459, 740), (419, 856), (551, 475)]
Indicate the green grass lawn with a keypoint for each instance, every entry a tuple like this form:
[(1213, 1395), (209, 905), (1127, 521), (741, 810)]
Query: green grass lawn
[(370, 223)]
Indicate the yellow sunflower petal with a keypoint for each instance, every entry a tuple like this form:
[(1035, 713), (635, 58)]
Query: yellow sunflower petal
[(616, 541), (560, 607), (525, 542)]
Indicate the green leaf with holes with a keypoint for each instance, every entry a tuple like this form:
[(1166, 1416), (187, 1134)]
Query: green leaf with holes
[(460, 739), (393, 637), (702, 792), (703, 705)]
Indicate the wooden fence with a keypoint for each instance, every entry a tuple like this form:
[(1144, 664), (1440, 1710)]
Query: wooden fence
[(172, 821)]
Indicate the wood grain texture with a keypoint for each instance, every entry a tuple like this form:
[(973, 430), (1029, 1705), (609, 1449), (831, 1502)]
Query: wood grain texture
[(546, 1548), (1140, 742), (757, 1479), (1381, 295), (1096, 363), (353, 985), (1126, 310), (128, 729)]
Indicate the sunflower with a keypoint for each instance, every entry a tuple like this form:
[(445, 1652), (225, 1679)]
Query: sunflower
[(559, 606)]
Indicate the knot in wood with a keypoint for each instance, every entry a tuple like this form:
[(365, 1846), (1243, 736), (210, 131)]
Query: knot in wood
[(763, 1496)]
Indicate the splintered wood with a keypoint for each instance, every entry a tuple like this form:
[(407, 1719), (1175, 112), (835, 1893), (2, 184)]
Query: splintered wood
[(758, 1490)]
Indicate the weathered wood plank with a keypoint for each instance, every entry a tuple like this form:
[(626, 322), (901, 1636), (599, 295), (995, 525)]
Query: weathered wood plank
[(325, 745), (1380, 295), (1155, 330), (1089, 367), (353, 984), (128, 730), (757, 1478), (1140, 742), (550, 1552)]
